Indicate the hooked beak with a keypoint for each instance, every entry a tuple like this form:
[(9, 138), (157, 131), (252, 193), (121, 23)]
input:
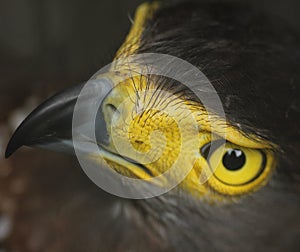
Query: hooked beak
[(49, 126)]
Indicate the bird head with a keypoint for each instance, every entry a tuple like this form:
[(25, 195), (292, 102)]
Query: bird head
[(147, 124)]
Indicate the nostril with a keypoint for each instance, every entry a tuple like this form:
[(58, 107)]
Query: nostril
[(112, 110), (111, 107), (139, 141)]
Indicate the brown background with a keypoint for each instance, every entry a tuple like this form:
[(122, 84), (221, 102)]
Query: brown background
[(46, 45)]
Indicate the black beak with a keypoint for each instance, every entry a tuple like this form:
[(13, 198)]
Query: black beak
[(49, 126)]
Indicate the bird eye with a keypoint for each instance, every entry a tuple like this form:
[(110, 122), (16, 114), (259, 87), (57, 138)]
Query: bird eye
[(237, 169)]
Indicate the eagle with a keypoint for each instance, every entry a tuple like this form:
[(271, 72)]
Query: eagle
[(242, 189)]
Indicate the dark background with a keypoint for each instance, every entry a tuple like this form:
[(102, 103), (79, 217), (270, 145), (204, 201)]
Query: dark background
[(46, 45)]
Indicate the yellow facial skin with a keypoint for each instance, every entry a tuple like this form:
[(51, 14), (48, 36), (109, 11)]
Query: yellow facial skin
[(146, 128), (140, 128)]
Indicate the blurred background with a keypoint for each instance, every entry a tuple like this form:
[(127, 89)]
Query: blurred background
[(46, 45)]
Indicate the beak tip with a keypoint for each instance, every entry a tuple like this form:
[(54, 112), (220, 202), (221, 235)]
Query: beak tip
[(8, 152), (12, 146)]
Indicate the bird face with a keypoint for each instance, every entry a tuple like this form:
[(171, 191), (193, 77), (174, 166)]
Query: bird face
[(146, 127)]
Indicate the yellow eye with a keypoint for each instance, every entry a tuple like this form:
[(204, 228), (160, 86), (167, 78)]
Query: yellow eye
[(236, 170)]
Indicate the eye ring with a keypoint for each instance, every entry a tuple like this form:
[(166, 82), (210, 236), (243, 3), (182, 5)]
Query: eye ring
[(252, 174)]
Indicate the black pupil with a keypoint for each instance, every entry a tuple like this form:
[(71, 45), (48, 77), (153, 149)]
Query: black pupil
[(234, 159)]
